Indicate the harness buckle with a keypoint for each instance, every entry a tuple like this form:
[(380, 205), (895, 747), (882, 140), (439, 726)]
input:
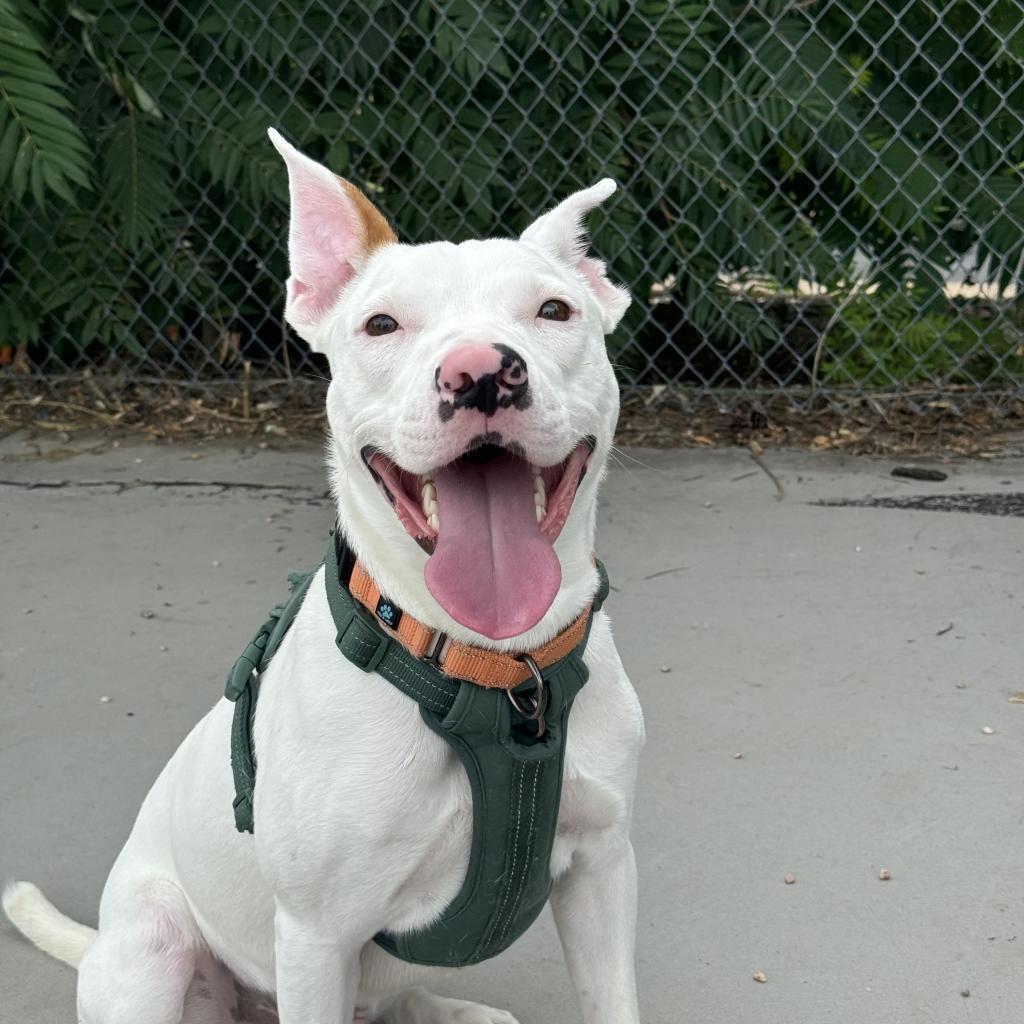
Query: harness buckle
[(362, 641), (247, 668), (532, 705), (435, 649)]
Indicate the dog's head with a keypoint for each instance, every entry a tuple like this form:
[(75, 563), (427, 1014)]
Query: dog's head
[(472, 404)]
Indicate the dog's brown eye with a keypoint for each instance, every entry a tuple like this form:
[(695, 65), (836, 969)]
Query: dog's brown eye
[(381, 323), (554, 309)]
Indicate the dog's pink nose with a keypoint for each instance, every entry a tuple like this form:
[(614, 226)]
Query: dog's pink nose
[(463, 368), (481, 377)]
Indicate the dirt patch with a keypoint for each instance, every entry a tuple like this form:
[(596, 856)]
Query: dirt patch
[(281, 410), (874, 425)]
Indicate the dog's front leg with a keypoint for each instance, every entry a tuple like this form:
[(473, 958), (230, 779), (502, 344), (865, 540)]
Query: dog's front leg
[(595, 911), (317, 972)]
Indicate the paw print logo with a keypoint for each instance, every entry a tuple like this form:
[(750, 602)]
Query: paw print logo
[(388, 613)]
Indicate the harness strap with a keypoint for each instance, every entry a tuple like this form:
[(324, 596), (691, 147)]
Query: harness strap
[(243, 687), (516, 785)]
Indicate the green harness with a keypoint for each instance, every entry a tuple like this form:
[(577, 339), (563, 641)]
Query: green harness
[(512, 749)]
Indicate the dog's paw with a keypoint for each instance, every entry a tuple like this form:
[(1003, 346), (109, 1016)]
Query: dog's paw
[(418, 1006), (476, 1013)]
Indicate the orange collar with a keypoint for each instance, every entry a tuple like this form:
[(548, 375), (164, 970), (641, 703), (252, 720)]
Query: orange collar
[(492, 669)]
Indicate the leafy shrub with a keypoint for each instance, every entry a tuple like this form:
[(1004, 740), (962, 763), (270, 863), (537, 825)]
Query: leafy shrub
[(882, 346), (142, 207)]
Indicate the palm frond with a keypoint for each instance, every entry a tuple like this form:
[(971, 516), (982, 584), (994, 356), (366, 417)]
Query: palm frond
[(41, 149), (138, 192)]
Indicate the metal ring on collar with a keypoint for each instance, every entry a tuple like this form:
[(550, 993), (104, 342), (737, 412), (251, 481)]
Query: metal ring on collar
[(435, 649), (532, 705)]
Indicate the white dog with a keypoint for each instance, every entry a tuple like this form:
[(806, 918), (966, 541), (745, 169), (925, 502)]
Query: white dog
[(363, 814)]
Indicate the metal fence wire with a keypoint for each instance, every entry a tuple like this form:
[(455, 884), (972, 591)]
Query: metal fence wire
[(814, 196)]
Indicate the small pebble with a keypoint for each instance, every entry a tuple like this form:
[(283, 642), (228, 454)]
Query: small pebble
[(961, 686), (666, 668), (737, 756), (147, 614), (857, 548), (104, 699), (761, 977), (790, 879), (965, 992), (988, 730), (707, 504), (163, 647), (137, 461), (215, 563), (26, 611), (884, 875)]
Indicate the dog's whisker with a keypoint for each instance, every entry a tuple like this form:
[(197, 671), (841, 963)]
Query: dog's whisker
[(617, 458), (621, 452)]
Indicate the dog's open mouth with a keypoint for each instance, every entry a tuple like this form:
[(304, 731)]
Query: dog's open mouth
[(488, 520)]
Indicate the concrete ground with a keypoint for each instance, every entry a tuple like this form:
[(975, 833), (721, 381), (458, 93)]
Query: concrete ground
[(851, 655)]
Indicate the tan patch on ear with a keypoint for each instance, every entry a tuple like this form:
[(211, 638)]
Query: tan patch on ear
[(376, 229)]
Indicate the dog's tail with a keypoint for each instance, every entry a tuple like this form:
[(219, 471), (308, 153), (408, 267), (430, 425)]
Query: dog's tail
[(44, 925)]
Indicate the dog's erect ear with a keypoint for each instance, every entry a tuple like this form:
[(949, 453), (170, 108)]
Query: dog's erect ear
[(562, 233), (332, 230)]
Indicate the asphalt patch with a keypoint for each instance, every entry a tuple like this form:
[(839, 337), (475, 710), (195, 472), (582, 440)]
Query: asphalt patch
[(1011, 504)]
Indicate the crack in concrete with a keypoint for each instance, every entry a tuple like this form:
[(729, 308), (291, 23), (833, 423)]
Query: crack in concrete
[(288, 492)]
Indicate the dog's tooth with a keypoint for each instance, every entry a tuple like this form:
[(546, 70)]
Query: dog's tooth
[(540, 512), (428, 501), (538, 487), (428, 497)]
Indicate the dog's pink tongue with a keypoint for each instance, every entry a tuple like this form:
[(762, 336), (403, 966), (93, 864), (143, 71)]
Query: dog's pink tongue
[(492, 569)]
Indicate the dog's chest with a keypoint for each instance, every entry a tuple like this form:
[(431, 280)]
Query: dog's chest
[(361, 803), (392, 828)]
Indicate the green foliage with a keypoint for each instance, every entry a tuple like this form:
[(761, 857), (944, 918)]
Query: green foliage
[(765, 143), (41, 148), (890, 343), (137, 170)]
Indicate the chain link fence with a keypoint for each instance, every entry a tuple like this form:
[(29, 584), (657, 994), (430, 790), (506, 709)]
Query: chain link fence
[(816, 197)]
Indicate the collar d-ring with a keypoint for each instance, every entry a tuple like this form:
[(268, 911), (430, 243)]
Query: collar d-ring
[(532, 705)]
